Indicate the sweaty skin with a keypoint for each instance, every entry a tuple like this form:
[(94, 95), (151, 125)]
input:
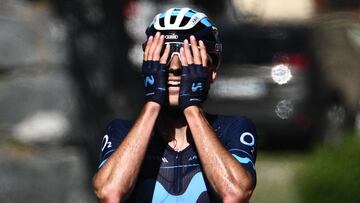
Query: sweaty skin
[(228, 178), (117, 177)]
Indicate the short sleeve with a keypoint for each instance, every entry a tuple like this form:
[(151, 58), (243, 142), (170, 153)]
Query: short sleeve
[(114, 135), (241, 142)]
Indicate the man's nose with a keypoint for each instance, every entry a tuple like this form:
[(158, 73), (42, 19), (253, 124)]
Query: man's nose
[(175, 65)]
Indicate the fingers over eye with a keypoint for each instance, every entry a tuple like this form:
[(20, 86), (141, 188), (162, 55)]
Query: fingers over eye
[(153, 46), (159, 45), (195, 50), (203, 54), (187, 52), (165, 55), (183, 57), (147, 47)]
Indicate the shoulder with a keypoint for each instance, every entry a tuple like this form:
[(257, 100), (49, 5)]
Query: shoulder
[(238, 135), (118, 127), (225, 122), (230, 128), (115, 133), (116, 123)]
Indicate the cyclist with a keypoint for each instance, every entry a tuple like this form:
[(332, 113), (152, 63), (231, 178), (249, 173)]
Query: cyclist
[(174, 151)]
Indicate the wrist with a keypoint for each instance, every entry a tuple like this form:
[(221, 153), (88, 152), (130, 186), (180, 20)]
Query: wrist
[(152, 106), (192, 110), (155, 81)]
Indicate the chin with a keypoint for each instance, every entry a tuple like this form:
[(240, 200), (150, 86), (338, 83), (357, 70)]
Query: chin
[(173, 101)]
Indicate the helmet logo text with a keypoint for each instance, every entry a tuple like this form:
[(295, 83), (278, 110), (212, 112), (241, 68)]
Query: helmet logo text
[(172, 36)]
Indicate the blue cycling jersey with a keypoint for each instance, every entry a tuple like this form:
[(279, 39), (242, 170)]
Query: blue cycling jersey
[(170, 176)]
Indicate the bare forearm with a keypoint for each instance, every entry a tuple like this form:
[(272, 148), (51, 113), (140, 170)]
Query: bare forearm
[(226, 175), (118, 175)]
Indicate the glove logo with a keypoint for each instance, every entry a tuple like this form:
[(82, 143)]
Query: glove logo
[(197, 87), (149, 80)]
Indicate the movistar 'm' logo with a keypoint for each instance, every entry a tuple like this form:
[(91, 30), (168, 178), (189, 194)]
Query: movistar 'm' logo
[(197, 87), (153, 191), (149, 80)]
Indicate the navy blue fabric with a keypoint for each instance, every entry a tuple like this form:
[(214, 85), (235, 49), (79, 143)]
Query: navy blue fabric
[(155, 81), (170, 176), (194, 85)]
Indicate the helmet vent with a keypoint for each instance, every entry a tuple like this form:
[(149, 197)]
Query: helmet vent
[(161, 22), (172, 19), (184, 21), (191, 11)]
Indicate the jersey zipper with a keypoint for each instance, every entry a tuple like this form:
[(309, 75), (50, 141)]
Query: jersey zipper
[(177, 173)]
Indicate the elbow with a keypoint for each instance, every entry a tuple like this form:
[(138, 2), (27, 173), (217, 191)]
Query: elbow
[(105, 193), (239, 193), (239, 196)]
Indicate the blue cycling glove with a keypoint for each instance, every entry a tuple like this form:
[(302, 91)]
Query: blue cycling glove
[(155, 81), (194, 85)]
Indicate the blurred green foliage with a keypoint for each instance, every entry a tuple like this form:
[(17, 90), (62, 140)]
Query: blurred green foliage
[(332, 173)]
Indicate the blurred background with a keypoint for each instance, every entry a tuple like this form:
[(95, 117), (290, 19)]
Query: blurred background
[(68, 67)]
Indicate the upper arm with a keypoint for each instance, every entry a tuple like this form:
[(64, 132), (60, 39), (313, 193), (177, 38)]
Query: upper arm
[(114, 135), (241, 142)]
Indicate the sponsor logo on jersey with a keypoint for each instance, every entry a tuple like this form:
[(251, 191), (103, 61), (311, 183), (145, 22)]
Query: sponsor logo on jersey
[(164, 160), (247, 139), (192, 158), (106, 143), (153, 191)]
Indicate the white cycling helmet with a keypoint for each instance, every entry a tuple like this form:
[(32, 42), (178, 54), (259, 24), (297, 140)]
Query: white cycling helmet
[(178, 24)]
